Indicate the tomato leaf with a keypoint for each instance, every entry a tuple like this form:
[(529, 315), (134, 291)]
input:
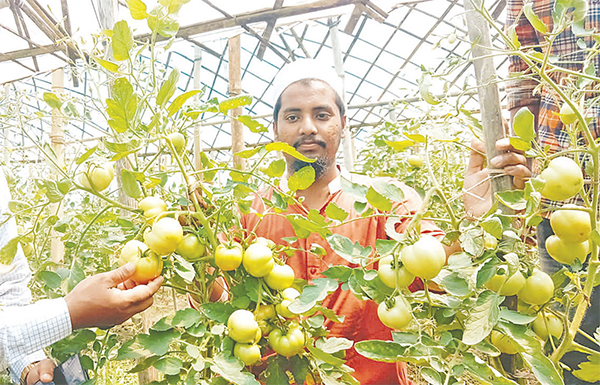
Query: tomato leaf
[(455, 285), (51, 279), (514, 199), (137, 8), (352, 252), (512, 35), (164, 25), (130, 184), (112, 67), (358, 191), (235, 102), (516, 317), (588, 370), (299, 368), (493, 225), (122, 105), (275, 372), (249, 153), (301, 179), (180, 100), (334, 344), (480, 370), (378, 201), (52, 100), (218, 311), (173, 5), (9, 250), (168, 88), (157, 342), (284, 147), (121, 41), (424, 85), (579, 10), (482, 317), (335, 212), (186, 318), (389, 190), (169, 365), (276, 168), (533, 19), (312, 294), (399, 145), (232, 370), (252, 124), (325, 357), (523, 124), (383, 351), (86, 155)]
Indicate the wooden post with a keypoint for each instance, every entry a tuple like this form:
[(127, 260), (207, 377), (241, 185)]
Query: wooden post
[(489, 97), (235, 89), (338, 61), (197, 127), (57, 142)]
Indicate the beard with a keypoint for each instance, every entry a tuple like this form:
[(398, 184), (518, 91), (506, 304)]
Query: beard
[(320, 165)]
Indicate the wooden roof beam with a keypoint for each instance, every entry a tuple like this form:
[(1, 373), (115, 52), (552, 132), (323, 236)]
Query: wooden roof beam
[(25, 53), (268, 31)]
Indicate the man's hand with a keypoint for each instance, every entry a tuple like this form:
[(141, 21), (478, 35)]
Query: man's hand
[(477, 194), (108, 299), (42, 371)]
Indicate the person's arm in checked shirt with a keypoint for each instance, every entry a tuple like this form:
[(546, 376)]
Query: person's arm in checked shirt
[(520, 91)]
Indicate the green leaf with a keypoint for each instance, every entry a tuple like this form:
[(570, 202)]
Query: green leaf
[(514, 199), (399, 145), (353, 253), (52, 100), (235, 102), (305, 226), (130, 184), (512, 35), (137, 9), (122, 40), (186, 318), (493, 225), (157, 342), (180, 100), (523, 124), (168, 88), (519, 144), (482, 317), (341, 273), (533, 19), (335, 212), (51, 279), (53, 193), (286, 148), (388, 190), (131, 349), (312, 294), (218, 311), (276, 168), (302, 179), (299, 367), (424, 84), (480, 370), (163, 24), (232, 370), (358, 191), (455, 285), (383, 351), (378, 201), (588, 370), (249, 153), (275, 372), (334, 344), (112, 67), (580, 8), (252, 124), (122, 105), (325, 357), (173, 5), (86, 155), (515, 317), (169, 365)]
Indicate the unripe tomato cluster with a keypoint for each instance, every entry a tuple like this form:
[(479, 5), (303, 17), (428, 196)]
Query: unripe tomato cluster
[(572, 228), (97, 177)]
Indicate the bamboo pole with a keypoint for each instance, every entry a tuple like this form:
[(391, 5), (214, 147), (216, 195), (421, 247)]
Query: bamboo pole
[(57, 142), (235, 89), (197, 127)]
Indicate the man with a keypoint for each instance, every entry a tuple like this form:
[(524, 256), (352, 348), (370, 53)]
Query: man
[(103, 300), (545, 105), (309, 114)]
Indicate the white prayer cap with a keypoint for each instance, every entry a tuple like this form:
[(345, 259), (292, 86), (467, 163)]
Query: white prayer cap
[(306, 69)]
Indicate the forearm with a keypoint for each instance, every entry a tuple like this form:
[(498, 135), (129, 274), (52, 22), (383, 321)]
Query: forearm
[(25, 330)]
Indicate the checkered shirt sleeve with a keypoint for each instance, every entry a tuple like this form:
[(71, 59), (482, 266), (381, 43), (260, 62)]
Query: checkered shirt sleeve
[(24, 329)]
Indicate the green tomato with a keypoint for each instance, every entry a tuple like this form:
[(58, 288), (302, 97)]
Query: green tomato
[(567, 115), (258, 260), (242, 326), (190, 248), (393, 276), (228, 258), (567, 252), (152, 206), (425, 258), (563, 178), (489, 241), (571, 225), (538, 289), (132, 251), (165, 236), (289, 295), (554, 328), (287, 344), (248, 353), (503, 343), (504, 285), (147, 268), (415, 161), (178, 141), (281, 277), (396, 317), (97, 176)]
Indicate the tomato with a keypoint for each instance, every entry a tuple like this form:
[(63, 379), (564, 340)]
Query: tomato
[(452, 38), (504, 285), (392, 275), (242, 326), (503, 343), (190, 248), (147, 267), (415, 161), (281, 277), (555, 326), (287, 344), (396, 317), (489, 241), (425, 258), (263, 315), (567, 252), (571, 225), (567, 115), (538, 288), (289, 295), (97, 176), (178, 141), (152, 206), (165, 236), (248, 353), (228, 258), (563, 178), (265, 241), (258, 260), (132, 251)]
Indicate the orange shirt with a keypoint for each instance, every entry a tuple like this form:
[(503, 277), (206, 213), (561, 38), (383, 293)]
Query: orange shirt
[(360, 317)]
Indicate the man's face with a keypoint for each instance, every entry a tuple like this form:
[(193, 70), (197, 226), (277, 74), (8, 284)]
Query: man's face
[(310, 121)]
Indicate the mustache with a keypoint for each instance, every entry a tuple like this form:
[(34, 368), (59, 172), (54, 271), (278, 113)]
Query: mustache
[(301, 141)]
